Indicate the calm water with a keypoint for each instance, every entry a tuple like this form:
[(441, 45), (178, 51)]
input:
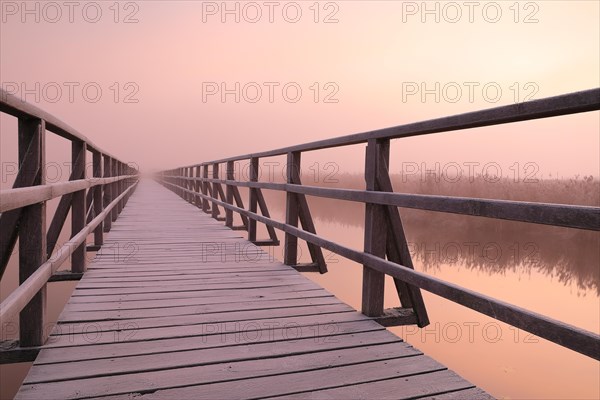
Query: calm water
[(549, 270)]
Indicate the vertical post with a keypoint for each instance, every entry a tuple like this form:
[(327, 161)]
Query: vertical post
[(78, 155), (290, 249), (215, 191), (189, 184), (229, 194), (375, 235), (107, 192), (121, 187), (198, 200), (253, 200), (98, 206), (205, 188), (32, 231), (115, 189), (182, 183)]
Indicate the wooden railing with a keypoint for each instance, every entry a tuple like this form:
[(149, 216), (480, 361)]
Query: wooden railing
[(23, 216), (385, 247)]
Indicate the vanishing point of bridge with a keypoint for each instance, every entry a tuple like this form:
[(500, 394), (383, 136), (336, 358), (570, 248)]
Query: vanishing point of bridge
[(199, 310)]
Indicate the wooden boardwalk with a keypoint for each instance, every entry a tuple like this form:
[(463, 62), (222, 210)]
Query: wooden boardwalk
[(178, 306)]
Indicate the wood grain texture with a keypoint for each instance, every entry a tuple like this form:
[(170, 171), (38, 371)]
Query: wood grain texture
[(177, 306)]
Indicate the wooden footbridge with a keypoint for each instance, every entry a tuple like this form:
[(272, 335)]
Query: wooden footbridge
[(191, 307)]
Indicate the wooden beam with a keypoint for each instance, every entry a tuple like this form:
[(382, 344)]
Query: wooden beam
[(290, 249), (205, 189), (566, 335), (197, 199), (107, 199), (11, 352), (397, 246), (252, 201), (373, 284), (306, 220), (62, 276), (262, 204), (397, 317), (78, 222), (565, 104), (9, 220), (309, 267), (115, 188), (229, 194), (240, 203), (215, 191), (98, 205), (32, 232)]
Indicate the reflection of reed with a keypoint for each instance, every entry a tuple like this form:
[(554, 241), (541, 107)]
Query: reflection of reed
[(493, 246)]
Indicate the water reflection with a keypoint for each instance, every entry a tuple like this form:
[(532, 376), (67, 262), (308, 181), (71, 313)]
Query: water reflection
[(571, 256)]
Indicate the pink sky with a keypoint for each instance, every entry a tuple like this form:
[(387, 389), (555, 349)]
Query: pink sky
[(373, 52)]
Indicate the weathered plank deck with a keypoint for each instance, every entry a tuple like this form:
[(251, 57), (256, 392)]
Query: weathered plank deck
[(178, 306)]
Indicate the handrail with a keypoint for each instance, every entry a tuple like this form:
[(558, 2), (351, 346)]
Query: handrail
[(10, 104), (97, 199), (568, 216), (572, 103), (384, 232), (569, 336), (11, 199), (19, 298)]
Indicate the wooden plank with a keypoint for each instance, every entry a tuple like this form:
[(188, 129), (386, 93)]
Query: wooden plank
[(165, 311), (409, 387), (156, 303), (193, 294), (308, 381), (232, 347), (192, 321), (167, 379)]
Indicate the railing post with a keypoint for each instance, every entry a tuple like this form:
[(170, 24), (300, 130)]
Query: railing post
[(375, 235), (215, 191), (205, 188), (115, 189), (189, 185), (78, 153), (98, 206), (290, 249), (197, 199), (32, 231), (183, 185), (107, 192), (121, 188), (182, 182), (229, 194), (253, 200)]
